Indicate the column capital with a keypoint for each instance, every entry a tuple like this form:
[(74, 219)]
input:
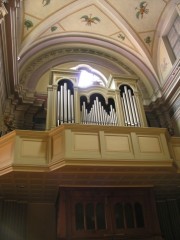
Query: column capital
[(3, 11)]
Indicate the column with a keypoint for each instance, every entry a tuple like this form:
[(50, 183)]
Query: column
[(119, 108), (49, 108), (76, 106), (54, 106), (140, 109)]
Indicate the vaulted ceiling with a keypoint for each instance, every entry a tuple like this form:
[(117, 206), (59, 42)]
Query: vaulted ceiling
[(114, 36)]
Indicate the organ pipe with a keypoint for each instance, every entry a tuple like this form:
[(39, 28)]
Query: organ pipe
[(101, 113), (132, 107), (65, 105), (126, 109), (136, 111), (125, 115), (69, 106), (129, 108), (58, 108), (98, 115), (95, 112), (128, 105), (98, 110), (62, 105), (83, 113), (72, 108)]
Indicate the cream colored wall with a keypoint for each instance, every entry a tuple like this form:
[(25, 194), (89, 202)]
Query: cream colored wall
[(166, 58), (165, 63), (41, 222), (30, 221), (43, 83)]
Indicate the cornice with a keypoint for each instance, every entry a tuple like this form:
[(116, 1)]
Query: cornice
[(28, 97), (41, 60)]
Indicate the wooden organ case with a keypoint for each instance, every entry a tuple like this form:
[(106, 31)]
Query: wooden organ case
[(118, 103), (107, 213)]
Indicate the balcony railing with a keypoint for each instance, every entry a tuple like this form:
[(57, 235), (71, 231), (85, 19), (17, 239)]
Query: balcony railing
[(88, 145)]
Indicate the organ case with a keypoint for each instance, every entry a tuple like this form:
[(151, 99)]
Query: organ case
[(118, 103)]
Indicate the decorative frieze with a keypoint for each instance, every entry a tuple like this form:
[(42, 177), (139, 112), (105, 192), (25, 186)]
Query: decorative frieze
[(58, 53)]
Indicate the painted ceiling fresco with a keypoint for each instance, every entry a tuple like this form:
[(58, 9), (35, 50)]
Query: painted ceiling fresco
[(121, 20)]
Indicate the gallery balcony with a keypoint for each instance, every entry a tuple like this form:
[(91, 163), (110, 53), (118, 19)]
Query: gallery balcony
[(91, 146)]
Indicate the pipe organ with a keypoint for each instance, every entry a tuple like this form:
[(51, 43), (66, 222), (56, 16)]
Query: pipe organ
[(97, 113), (117, 104)]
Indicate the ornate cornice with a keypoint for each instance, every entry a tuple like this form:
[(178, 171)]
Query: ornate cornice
[(28, 97), (35, 64)]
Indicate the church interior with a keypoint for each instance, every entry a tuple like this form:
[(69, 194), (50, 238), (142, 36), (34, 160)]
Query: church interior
[(89, 119)]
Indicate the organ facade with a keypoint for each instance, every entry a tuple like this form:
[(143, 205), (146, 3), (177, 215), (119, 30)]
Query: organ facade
[(118, 103)]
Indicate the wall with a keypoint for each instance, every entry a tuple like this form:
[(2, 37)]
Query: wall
[(12, 220), (41, 221), (27, 221), (169, 218)]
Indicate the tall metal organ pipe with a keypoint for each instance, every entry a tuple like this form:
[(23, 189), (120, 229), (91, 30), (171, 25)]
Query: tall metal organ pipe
[(65, 105), (131, 116), (98, 115)]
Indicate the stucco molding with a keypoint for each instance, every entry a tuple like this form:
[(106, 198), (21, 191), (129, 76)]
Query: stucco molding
[(35, 64)]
